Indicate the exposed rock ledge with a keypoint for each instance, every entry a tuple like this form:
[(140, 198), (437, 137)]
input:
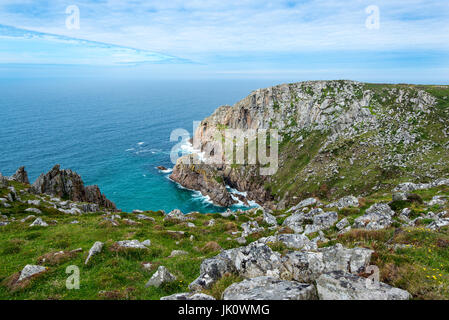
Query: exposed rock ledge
[(68, 185), (204, 178)]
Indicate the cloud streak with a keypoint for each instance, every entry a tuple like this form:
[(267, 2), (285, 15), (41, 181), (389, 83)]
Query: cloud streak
[(20, 46)]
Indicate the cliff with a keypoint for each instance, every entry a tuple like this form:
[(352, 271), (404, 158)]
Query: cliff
[(335, 137)]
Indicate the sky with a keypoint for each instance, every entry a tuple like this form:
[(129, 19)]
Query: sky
[(366, 40)]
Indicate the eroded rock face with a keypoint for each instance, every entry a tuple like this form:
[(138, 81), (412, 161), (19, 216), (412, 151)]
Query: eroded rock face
[(268, 288), (21, 176), (68, 184), (339, 285)]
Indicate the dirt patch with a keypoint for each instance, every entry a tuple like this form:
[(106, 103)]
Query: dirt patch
[(285, 230), (177, 235), (58, 257), (116, 294), (13, 284), (211, 246)]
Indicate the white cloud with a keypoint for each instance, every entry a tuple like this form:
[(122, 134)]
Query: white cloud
[(193, 28)]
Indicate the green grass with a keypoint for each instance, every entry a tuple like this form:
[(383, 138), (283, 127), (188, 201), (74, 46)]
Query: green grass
[(119, 274)]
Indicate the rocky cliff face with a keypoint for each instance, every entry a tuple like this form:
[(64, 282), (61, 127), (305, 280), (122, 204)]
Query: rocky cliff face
[(334, 137), (21, 176), (68, 185)]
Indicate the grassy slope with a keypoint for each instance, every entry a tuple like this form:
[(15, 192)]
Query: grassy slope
[(363, 174), (422, 268), (120, 274)]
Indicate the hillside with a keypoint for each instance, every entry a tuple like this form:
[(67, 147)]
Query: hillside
[(336, 138), (286, 254)]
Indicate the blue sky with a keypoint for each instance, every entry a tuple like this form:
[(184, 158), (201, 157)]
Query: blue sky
[(287, 39)]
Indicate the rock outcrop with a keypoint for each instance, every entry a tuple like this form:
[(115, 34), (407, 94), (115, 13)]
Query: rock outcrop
[(202, 177), (67, 184), (21, 176)]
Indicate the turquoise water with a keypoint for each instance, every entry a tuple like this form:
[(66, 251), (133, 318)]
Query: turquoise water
[(114, 133)]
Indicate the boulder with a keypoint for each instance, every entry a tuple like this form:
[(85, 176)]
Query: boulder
[(325, 220), (269, 219), (188, 296), (438, 223), (144, 217), (96, 248), (133, 244), (33, 210), (30, 271), (161, 276), (345, 202), (291, 241), (342, 224), (304, 203), (378, 216), (256, 259), (340, 285), (308, 266), (39, 223), (294, 222), (250, 227), (34, 202), (177, 253), (177, 215), (268, 288), (3, 182)]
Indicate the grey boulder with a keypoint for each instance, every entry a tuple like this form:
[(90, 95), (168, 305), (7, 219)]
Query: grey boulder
[(161, 276), (339, 285), (268, 288)]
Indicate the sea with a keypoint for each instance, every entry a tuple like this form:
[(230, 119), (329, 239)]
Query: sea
[(113, 132)]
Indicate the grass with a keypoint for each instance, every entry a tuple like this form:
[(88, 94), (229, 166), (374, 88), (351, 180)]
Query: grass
[(110, 274), (415, 259)]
